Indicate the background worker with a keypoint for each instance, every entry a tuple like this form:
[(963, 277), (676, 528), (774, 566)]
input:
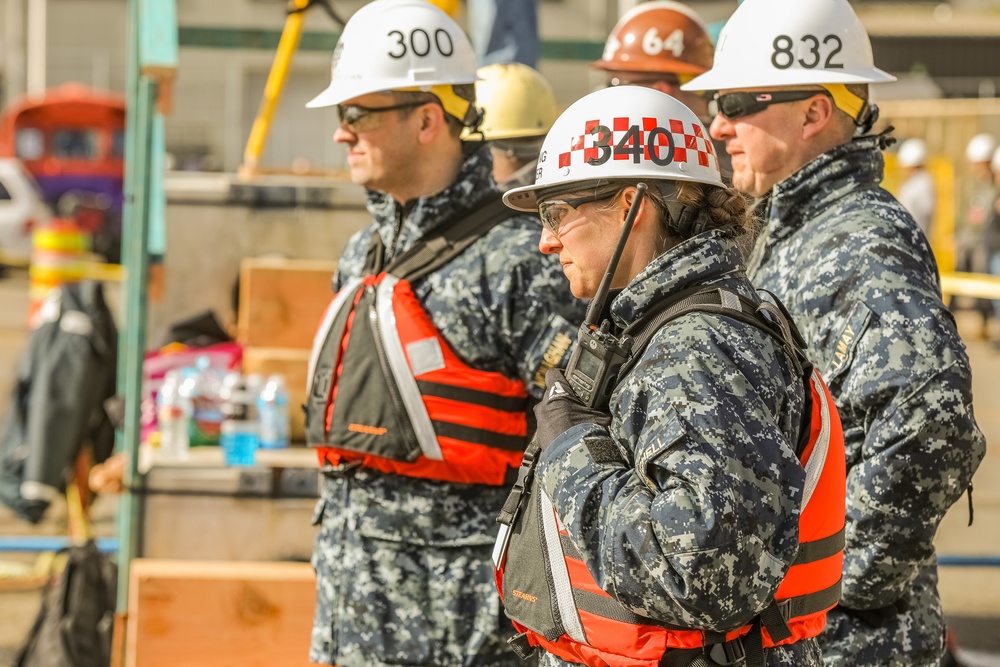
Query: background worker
[(978, 192), (683, 515), (518, 107), (917, 193), (661, 45), (419, 405), (859, 279), (991, 239)]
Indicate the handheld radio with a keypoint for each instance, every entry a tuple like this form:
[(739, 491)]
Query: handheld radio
[(598, 355)]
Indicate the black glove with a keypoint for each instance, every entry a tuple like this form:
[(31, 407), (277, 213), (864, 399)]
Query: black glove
[(561, 409)]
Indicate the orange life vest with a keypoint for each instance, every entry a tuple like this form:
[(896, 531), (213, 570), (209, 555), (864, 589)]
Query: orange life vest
[(556, 604), (386, 390)]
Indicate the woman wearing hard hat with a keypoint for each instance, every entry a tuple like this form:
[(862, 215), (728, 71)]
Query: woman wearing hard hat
[(673, 522)]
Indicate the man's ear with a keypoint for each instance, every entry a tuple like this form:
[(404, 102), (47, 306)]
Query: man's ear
[(432, 122), (819, 111)]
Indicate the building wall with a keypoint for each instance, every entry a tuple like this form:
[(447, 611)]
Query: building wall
[(219, 89)]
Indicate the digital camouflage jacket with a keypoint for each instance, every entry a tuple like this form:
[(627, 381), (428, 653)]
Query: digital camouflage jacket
[(859, 279), (403, 564), (686, 508)]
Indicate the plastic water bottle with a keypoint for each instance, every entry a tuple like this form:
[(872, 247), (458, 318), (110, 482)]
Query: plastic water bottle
[(173, 416), (239, 434), (201, 385), (272, 406)]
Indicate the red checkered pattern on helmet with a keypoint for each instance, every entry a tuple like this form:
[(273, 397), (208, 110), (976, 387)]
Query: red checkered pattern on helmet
[(694, 141)]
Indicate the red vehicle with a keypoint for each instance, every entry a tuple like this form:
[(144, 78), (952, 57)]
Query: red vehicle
[(72, 141)]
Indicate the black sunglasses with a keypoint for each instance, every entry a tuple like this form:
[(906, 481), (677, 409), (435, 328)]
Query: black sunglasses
[(357, 118), (553, 211), (740, 105)]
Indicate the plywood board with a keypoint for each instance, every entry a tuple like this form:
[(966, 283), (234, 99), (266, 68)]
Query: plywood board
[(282, 301), (219, 614)]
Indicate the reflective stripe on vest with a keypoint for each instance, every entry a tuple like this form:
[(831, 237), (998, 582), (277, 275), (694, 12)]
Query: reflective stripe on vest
[(387, 390)]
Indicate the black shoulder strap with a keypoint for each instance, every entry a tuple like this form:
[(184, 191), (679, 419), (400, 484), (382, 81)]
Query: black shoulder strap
[(770, 317), (701, 299), (434, 251)]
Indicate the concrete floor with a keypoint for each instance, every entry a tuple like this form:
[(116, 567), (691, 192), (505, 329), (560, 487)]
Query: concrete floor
[(971, 596)]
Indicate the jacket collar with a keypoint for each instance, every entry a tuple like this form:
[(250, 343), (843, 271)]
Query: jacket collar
[(701, 260), (811, 190), (401, 226)]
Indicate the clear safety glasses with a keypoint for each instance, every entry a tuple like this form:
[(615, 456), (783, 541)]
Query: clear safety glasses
[(554, 211), (357, 118), (740, 105)]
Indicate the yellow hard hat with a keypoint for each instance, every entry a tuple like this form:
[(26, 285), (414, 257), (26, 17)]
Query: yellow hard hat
[(449, 7), (517, 101)]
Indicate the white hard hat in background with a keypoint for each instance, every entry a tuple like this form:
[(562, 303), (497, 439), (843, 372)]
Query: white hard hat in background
[(912, 153), (995, 162), (397, 45), (791, 43), (625, 132), (516, 100), (980, 148)]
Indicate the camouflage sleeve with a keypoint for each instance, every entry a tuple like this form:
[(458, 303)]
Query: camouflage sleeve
[(905, 392), (687, 514), (531, 299)]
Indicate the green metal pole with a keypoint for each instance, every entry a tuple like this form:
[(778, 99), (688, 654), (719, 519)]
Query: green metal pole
[(138, 149), (133, 334)]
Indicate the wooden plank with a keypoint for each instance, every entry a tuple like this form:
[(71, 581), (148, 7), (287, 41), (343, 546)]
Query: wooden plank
[(294, 365), (219, 614), (282, 301)]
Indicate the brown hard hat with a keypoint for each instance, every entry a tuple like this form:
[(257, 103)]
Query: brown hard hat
[(661, 36)]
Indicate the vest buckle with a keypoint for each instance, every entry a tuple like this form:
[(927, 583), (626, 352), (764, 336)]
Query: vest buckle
[(520, 646), (728, 653)]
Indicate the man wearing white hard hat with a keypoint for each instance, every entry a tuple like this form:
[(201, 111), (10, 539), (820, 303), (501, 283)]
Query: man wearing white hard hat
[(991, 240), (917, 193), (978, 192), (427, 361), (860, 281)]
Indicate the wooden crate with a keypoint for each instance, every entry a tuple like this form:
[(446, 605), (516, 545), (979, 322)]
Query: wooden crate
[(294, 365), (282, 301), (219, 614)]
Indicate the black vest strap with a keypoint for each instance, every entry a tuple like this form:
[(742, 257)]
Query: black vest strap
[(444, 244), (771, 318), (700, 299), (810, 552), (811, 603)]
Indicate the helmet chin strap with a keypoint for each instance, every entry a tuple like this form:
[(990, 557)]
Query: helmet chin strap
[(863, 113)]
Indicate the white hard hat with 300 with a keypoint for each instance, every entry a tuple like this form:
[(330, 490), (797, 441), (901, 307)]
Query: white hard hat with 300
[(626, 132), (397, 45), (791, 43)]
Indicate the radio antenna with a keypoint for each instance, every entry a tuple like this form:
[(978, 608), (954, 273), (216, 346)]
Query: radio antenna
[(597, 303)]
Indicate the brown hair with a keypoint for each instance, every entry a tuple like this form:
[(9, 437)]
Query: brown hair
[(704, 207)]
